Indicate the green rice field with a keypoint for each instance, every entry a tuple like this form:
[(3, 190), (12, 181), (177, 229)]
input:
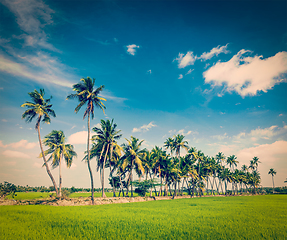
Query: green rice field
[(239, 217)]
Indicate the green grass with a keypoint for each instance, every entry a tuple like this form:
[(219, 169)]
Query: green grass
[(240, 217), (44, 195), (30, 195)]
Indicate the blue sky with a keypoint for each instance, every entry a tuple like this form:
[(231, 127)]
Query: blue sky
[(214, 71)]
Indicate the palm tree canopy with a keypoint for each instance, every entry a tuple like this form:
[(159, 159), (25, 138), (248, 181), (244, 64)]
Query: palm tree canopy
[(85, 93), (169, 144), (39, 106), (272, 172), (220, 157), (133, 154), (179, 143), (55, 140), (105, 141)]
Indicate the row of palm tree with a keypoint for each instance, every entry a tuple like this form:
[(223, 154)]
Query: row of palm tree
[(195, 170)]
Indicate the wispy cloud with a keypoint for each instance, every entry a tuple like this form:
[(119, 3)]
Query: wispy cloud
[(144, 128), (261, 133), (32, 16), (21, 144), (131, 49), (41, 68), (248, 75), (214, 52), (180, 76), (15, 154)]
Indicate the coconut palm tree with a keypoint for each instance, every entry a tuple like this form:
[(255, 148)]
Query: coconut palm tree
[(133, 155), (106, 136), (220, 159), (169, 144), (41, 109), (272, 172), (58, 150), (87, 94), (178, 144)]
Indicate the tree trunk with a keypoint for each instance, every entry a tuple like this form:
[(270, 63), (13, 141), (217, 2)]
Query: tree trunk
[(273, 184), (60, 178), (160, 190), (165, 187), (131, 181), (46, 164), (89, 166), (103, 173)]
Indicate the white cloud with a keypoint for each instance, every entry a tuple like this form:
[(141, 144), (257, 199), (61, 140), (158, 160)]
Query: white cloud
[(32, 16), (182, 132), (15, 154), (78, 138), (4, 120), (214, 51), (149, 71), (144, 128), (131, 49), (189, 71), (267, 153), (21, 144), (180, 76), (248, 75), (220, 137), (41, 68), (280, 115), (185, 60), (261, 133)]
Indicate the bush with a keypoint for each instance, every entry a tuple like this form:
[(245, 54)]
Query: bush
[(7, 189), (142, 187)]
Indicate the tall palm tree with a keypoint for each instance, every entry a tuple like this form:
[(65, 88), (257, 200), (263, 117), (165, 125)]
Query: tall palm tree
[(106, 137), (133, 155), (231, 161), (55, 140), (86, 94), (220, 159), (41, 109), (256, 162), (169, 144), (272, 172), (179, 143)]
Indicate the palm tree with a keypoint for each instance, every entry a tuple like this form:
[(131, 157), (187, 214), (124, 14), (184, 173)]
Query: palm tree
[(220, 159), (169, 144), (272, 172), (231, 161), (106, 137), (177, 145), (86, 94), (41, 109), (133, 155), (256, 162), (55, 140)]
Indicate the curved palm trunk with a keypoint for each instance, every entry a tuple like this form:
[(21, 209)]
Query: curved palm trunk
[(45, 161), (89, 166)]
